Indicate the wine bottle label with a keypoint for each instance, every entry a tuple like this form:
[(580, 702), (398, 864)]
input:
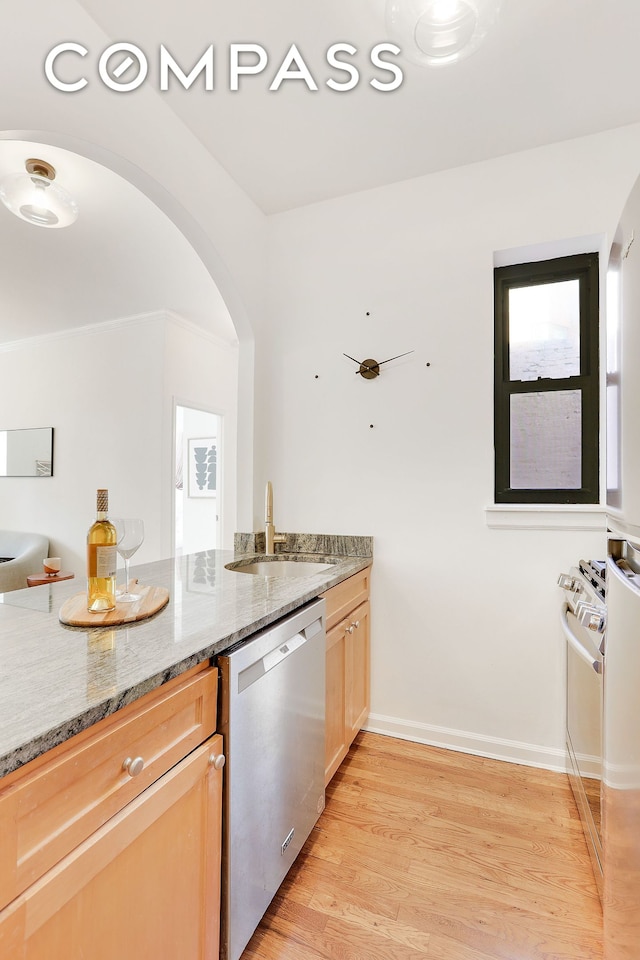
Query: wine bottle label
[(106, 561)]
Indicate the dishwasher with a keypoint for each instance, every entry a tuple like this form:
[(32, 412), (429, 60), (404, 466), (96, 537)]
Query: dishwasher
[(272, 717)]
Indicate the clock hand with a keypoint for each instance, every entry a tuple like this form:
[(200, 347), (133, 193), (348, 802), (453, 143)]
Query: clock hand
[(396, 358), (361, 363)]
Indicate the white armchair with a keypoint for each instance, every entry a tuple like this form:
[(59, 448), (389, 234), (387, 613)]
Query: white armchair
[(22, 554)]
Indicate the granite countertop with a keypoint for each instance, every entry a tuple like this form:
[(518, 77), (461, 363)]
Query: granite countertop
[(57, 680)]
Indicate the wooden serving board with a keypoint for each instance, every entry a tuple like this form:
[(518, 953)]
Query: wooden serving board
[(74, 610)]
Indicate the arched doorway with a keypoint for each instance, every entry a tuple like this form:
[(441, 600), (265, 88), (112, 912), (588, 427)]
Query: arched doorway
[(149, 347)]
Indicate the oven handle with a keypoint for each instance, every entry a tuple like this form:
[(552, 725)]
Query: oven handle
[(575, 644)]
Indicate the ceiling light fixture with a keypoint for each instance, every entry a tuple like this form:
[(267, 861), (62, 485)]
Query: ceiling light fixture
[(438, 32), (34, 197)]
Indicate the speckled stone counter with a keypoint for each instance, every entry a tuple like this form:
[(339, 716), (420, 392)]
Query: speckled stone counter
[(57, 680)]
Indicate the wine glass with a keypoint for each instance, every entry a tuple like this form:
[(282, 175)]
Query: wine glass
[(129, 534)]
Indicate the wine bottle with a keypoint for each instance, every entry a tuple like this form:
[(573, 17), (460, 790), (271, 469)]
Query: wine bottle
[(101, 559)]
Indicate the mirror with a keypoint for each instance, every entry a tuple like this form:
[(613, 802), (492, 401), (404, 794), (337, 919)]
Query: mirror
[(26, 453)]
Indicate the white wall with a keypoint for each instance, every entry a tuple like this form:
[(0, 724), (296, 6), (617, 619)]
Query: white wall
[(466, 644), (109, 397)]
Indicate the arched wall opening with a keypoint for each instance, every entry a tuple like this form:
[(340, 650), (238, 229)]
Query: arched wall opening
[(125, 344)]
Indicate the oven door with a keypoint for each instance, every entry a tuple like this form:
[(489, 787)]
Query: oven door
[(585, 665)]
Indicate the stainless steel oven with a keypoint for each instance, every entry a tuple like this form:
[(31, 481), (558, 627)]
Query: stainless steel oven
[(583, 621)]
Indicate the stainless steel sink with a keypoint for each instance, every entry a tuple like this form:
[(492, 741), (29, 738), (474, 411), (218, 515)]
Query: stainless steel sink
[(282, 567)]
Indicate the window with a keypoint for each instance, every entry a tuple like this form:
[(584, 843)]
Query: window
[(546, 381)]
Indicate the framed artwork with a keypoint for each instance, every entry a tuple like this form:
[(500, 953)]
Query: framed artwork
[(203, 467)]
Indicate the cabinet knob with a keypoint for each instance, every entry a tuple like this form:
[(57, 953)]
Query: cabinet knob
[(350, 628), (133, 767), (217, 761), (356, 624)]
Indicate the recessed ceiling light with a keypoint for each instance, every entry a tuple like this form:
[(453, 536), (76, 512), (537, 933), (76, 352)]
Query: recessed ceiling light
[(439, 32)]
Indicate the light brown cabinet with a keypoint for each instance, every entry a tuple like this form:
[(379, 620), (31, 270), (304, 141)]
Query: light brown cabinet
[(347, 666), (111, 843)]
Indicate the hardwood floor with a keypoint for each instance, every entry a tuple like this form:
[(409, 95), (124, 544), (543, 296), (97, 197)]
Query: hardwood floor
[(427, 853)]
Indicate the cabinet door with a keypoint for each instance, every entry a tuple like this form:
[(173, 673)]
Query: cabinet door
[(146, 884), (64, 797), (335, 733), (357, 671)]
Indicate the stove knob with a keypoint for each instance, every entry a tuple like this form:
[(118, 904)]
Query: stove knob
[(597, 623), (567, 582), (590, 617)]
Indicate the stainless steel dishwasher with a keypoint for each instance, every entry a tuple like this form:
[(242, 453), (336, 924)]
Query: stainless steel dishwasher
[(272, 711)]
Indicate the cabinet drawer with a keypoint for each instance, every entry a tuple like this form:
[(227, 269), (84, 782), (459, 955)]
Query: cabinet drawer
[(49, 810), (342, 598)]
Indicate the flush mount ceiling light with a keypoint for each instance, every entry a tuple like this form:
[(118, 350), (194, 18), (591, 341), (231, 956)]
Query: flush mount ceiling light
[(438, 32), (34, 197)]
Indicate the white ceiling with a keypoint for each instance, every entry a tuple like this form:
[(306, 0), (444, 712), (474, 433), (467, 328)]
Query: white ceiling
[(550, 70)]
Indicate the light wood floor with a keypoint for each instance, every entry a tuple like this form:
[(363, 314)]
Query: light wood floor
[(430, 853)]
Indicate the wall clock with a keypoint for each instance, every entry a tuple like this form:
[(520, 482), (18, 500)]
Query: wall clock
[(370, 369)]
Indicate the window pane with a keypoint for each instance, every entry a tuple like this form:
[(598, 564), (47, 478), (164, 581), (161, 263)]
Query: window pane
[(544, 330), (546, 440)]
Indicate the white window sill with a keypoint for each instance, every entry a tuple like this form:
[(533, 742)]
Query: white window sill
[(548, 516)]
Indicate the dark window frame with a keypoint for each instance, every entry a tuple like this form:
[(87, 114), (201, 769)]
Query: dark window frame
[(585, 268)]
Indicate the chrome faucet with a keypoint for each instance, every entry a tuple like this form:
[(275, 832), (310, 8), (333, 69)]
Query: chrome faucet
[(270, 535)]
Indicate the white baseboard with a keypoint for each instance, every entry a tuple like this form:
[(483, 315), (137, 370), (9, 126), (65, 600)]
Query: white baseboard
[(511, 751)]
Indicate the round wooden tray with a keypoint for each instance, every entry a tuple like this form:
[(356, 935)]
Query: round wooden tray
[(74, 610)]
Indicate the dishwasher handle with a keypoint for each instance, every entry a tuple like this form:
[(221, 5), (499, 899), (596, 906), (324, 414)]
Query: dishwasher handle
[(575, 644), (274, 657), (261, 666)]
